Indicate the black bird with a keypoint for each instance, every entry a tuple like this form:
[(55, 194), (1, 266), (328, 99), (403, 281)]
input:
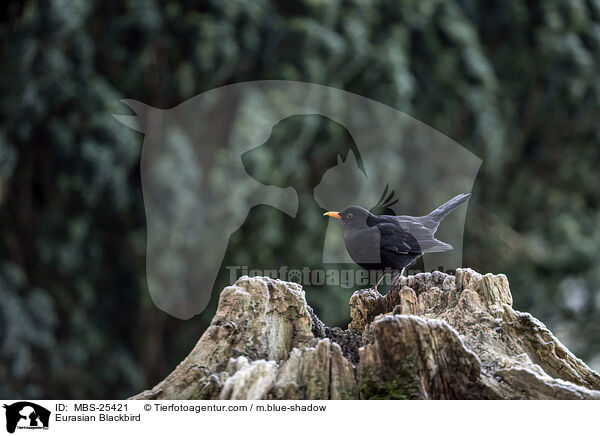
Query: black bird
[(377, 242)]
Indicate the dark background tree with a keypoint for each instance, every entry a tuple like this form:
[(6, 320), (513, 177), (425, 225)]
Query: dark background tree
[(516, 83)]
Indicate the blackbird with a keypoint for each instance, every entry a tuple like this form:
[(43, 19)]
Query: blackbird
[(377, 242)]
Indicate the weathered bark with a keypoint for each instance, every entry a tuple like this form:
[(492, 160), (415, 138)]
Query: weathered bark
[(434, 336)]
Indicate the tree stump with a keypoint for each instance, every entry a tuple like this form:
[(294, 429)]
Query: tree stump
[(434, 336)]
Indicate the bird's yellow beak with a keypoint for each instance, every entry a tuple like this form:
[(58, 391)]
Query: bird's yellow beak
[(333, 214)]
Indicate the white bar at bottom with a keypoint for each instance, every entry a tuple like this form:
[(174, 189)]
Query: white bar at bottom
[(280, 418)]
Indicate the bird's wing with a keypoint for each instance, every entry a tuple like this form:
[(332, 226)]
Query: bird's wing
[(409, 237)]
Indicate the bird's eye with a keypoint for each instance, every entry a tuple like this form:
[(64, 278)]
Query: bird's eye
[(349, 216)]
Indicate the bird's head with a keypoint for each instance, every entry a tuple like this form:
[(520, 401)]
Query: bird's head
[(351, 217)]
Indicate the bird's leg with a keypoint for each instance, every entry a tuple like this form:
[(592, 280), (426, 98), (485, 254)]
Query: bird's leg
[(398, 276), (379, 281)]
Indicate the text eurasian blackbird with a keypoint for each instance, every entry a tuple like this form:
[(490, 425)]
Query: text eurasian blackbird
[(377, 242)]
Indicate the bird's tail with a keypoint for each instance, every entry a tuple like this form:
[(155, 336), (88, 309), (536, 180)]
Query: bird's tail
[(440, 213)]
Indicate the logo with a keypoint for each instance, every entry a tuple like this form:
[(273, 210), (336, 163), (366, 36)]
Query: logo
[(26, 415), (288, 151)]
